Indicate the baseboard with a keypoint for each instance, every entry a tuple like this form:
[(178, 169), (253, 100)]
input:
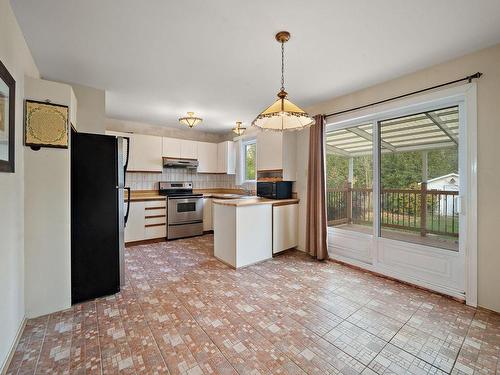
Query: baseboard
[(145, 242), (6, 363)]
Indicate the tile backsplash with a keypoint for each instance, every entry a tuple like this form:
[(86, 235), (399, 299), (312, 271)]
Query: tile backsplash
[(149, 181)]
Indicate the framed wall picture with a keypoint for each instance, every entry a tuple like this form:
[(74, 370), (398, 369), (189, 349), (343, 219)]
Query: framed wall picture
[(7, 120), (45, 124)]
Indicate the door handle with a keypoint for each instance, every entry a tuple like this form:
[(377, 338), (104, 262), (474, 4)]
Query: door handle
[(125, 166), (128, 205), (461, 206)]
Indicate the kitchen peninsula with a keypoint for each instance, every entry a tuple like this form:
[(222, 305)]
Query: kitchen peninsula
[(251, 230)]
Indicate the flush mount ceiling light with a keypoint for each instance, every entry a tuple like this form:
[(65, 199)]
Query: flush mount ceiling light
[(190, 120), (283, 114), (239, 129)]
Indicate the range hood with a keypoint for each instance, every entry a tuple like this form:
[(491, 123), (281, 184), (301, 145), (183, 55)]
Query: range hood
[(180, 163)]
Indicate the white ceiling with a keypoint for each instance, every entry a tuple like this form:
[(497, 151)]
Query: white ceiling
[(158, 59)]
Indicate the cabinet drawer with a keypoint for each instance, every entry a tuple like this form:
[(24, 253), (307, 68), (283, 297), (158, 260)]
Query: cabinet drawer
[(157, 231), (160, 219), (153, 211), (155, 204)]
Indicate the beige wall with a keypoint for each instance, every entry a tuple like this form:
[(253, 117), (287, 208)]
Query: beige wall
[(47, 213), (486, 61), (91, 115), (164, 131), (16, 56)]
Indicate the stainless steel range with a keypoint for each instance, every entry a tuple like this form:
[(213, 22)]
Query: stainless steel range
[(184, 209)]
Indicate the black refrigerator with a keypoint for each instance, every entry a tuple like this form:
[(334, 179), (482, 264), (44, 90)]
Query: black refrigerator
[(98, 214)]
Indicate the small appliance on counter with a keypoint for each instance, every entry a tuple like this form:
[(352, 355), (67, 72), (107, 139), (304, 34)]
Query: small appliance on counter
[(184, 209), (275, 189)]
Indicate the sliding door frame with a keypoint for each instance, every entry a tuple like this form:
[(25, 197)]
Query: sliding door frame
[(465, 97)]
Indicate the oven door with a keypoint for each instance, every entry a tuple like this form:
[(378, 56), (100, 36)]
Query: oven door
[(185, 210)]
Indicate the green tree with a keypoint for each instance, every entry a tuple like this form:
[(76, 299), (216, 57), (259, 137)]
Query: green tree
[(250, 162)]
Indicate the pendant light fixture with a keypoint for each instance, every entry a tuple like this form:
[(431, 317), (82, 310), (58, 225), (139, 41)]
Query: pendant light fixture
[(239, 129), (190, 120), (283, 114)]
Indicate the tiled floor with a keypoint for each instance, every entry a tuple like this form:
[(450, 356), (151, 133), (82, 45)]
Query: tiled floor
[(182, 311)]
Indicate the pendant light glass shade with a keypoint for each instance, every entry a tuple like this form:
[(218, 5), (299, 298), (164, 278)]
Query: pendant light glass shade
[(283, 115), (190, 120), (239, 129)]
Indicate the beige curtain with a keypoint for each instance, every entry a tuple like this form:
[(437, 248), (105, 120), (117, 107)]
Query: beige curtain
[(316, 223)]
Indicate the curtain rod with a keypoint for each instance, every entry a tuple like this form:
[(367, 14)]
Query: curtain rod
[(468, 78)]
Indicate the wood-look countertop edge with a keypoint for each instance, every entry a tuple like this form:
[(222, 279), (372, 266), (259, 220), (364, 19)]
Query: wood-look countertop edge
[(254, 202)]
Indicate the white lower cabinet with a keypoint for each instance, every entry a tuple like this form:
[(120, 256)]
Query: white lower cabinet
[(207, 214), (285, 227), (146, 221), (134, 230)]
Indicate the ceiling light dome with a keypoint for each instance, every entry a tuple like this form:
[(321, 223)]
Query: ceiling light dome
[(283, 115), (239, 129), (190, 120)]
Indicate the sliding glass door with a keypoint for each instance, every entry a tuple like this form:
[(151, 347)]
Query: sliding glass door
[(419, 178), (349, 178), (394, 188)]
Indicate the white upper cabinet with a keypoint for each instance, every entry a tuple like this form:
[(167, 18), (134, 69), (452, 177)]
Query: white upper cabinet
[(226, 158), (171, 147), (179, 148), (277, 151), (189, 149), (269, 151), (207, 157), (145, 153)]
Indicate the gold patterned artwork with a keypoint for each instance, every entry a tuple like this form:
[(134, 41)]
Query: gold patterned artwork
[(46, 124)]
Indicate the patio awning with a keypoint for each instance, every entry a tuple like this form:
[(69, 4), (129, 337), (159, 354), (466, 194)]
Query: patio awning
[(423, 131)]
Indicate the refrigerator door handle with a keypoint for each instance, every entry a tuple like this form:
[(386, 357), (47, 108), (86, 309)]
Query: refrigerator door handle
[(125, 165), (128, 205)]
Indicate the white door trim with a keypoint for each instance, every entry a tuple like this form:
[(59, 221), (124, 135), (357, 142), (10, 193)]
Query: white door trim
[(466, 97)]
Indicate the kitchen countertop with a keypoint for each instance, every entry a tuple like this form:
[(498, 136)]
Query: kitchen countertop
[(152, 195), (142, 196), (252, 201), (224, 195)]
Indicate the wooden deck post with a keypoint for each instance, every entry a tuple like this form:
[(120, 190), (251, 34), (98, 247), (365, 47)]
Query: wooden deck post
[(349, 202), (423, 209)]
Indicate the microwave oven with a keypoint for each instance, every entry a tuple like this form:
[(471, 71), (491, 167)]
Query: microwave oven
[(275, 190)]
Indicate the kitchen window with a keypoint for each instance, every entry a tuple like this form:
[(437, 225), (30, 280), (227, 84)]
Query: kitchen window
[(249, 153)]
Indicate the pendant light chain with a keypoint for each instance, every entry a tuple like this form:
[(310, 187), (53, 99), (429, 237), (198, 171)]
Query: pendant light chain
[(283, 115), (283, 66)]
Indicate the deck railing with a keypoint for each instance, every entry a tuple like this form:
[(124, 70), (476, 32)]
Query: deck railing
[(399, 209)]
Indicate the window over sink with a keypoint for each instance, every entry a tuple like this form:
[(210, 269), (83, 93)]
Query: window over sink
[(249, 153)]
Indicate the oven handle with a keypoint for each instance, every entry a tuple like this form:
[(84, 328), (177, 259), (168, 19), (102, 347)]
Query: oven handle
[(185, 223), (185, 200)]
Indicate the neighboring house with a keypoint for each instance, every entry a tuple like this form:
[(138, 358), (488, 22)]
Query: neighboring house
[(450, 182)]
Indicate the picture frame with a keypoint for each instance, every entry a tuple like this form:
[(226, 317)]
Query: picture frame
[(46, 124), (7, 120)]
